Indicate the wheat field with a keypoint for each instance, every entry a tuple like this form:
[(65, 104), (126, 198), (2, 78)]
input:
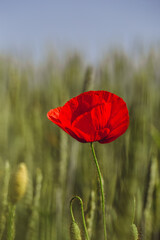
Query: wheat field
[(42, 168)]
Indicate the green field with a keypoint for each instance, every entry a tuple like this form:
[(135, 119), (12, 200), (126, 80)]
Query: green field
[(59, 167)]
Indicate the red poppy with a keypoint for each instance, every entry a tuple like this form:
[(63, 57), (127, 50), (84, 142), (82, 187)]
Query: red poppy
[(92, 116)]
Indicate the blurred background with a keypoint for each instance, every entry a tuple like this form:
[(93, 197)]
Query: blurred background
[(51, 51)]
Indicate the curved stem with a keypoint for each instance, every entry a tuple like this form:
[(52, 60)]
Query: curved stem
[(71, 209), (102, 191), (82, 211)]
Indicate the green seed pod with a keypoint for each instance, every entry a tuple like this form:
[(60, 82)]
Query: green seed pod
[(133, 232), (18, 183), (75, 232)]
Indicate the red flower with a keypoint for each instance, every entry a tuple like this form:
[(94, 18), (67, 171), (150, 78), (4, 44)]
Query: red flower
[(92, 116)]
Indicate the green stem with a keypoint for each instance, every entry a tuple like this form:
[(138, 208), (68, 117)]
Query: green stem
[(102, 191), (11, 222), (82, 211), (134, 209)]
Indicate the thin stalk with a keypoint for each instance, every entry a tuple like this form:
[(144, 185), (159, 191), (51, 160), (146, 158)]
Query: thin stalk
[(102, 191), (134, 209), (11, 222), (82, 212)]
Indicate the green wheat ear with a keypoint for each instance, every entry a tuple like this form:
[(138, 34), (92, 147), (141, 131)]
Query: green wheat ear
[(91, 213), (75, 232), (34, 217), (16, 190), (18, 183), (148, 214), (10, 234), (88, 79), (3, 204), (152, 183)]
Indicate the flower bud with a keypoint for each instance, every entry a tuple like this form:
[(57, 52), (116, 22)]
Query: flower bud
[(134, 232), (18, 183), (75, 232)]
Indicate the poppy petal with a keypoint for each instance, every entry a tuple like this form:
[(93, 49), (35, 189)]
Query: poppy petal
[(115, 134), (93, 123), (53, 115), (92, 116)]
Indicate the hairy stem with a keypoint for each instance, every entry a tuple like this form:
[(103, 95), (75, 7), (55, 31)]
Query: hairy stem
[(102, 191), (82, 211)]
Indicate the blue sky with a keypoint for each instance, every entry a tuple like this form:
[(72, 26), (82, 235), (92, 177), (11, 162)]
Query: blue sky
[(91, 26)]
